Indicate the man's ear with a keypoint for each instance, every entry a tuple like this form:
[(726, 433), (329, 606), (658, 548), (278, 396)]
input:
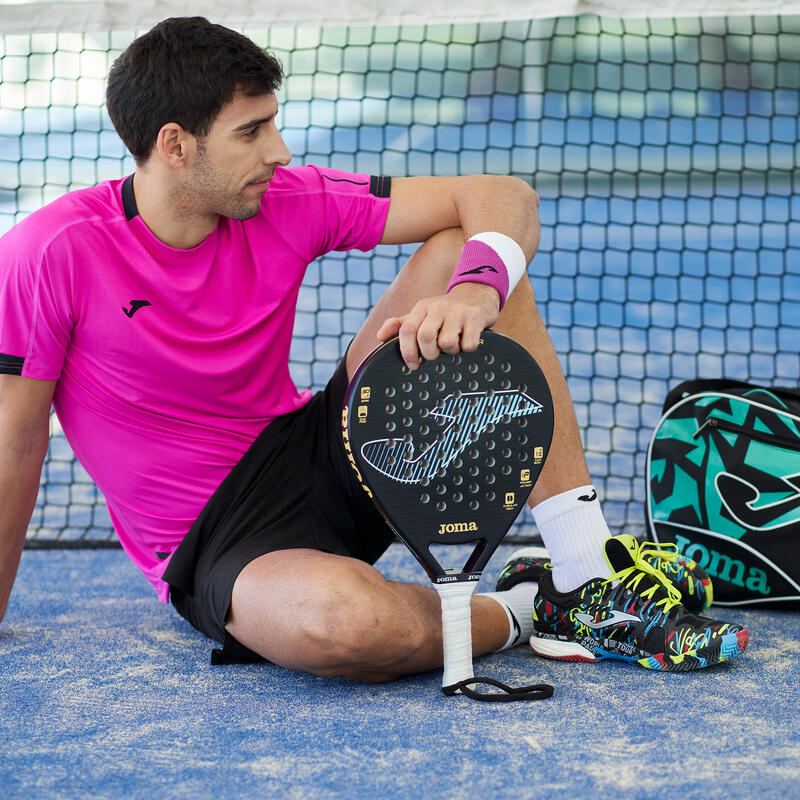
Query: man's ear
[(174, 145)]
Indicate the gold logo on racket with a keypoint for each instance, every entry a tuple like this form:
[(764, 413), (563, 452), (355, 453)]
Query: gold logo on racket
[(349, 452), (525, 477), (365, 392), (458, 527), (362, 413), (538, 455), (510, 501)]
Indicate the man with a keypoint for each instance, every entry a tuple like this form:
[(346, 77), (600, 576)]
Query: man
[(155, 314)]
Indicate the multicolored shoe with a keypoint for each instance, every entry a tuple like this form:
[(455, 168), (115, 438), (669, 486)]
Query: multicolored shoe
[(687, 576), (635, 615), (525, 564)]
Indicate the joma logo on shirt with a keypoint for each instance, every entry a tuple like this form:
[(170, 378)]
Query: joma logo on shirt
[(135, 306)]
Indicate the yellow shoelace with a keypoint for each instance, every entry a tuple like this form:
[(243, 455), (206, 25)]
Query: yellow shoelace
[(632, 576), (667, 551)]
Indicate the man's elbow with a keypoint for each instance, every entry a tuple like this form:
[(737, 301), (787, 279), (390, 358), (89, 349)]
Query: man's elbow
[(524, 193), (525, 201)]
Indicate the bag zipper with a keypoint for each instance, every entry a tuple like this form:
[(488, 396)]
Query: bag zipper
[(761, 436)]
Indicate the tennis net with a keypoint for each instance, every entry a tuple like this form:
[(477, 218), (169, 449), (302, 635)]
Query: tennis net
[(664, 151)]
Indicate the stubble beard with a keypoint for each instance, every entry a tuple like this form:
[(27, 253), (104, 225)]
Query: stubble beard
[(208, 191)]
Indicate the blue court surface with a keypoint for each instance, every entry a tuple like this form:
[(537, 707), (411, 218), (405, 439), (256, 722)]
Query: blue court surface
[(109, 694)]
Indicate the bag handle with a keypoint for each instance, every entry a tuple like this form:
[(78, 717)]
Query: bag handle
[(721, 384)]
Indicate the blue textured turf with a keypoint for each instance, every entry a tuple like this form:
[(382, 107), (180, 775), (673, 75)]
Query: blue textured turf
[(109, 694)]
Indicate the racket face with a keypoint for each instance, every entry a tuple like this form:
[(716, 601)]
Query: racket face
[(449, 452)]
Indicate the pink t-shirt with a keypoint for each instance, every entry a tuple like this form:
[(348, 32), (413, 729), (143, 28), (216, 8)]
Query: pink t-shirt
[(169, 362)]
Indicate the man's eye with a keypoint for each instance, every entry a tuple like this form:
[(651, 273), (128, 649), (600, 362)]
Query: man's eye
[(251, 134)]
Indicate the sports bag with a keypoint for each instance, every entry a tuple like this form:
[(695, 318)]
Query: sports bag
[(723, 484)]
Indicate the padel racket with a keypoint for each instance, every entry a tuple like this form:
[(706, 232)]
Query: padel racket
[(449, 454)]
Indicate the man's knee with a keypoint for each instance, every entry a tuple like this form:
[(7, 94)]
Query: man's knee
[(327, 614), (354, 635)]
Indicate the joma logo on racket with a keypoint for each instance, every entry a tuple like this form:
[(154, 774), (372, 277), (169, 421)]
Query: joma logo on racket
[(468, 415), (349, 452), (458, 527)]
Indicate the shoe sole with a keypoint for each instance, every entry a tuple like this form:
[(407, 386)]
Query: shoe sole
[(563, 649)]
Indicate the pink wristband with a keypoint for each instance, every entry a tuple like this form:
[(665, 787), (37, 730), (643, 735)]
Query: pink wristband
[(480, 263)]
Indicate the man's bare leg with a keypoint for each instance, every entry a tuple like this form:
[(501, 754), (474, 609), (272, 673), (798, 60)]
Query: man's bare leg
[(337, 616)]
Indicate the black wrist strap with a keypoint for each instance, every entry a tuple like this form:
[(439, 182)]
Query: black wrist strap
[(539, 691)]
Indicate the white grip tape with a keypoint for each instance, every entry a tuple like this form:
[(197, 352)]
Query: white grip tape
[(456, 630), (510, 253)]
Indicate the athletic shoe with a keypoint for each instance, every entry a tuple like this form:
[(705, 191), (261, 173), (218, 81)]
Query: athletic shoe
[(525, 564), (688, 577), (635, 615)]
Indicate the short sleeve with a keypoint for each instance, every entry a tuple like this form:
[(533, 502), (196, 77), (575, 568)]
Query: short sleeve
[(356, 207), (316, 209), (35, 305)]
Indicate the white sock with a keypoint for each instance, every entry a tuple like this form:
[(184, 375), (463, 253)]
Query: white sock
[(518, 605), (574, 531)]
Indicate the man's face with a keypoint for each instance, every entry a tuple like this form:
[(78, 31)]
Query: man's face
[(235, 162)]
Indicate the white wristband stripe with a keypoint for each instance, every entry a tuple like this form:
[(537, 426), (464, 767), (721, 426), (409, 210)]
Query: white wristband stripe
[(510, 253)]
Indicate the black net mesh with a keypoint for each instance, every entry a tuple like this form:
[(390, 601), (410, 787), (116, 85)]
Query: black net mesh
[(664, 151)]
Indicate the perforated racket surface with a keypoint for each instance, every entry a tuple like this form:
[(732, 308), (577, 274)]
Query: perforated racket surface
[(449, 453)]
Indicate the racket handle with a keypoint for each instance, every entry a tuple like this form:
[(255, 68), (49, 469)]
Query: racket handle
[(456, 630)]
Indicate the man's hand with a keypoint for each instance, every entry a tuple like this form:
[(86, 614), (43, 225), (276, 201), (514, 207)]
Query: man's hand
[(447, 323)]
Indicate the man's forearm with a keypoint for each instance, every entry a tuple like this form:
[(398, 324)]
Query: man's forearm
[(422, 207), (20, 471)]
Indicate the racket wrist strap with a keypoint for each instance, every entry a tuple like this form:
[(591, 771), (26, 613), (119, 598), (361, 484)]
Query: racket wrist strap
[(507, 694), (493, 259)]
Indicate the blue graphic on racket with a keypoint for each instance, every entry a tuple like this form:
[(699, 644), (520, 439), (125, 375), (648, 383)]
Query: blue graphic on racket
[(449, 453)]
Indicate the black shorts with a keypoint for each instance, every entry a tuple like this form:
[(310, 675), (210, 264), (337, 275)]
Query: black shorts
[(293, 488)]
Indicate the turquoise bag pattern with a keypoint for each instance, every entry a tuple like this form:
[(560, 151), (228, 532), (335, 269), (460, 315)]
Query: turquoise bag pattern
[(723, 484)]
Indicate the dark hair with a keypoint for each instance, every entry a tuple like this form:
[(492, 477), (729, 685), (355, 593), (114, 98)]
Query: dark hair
[(183, 70)]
